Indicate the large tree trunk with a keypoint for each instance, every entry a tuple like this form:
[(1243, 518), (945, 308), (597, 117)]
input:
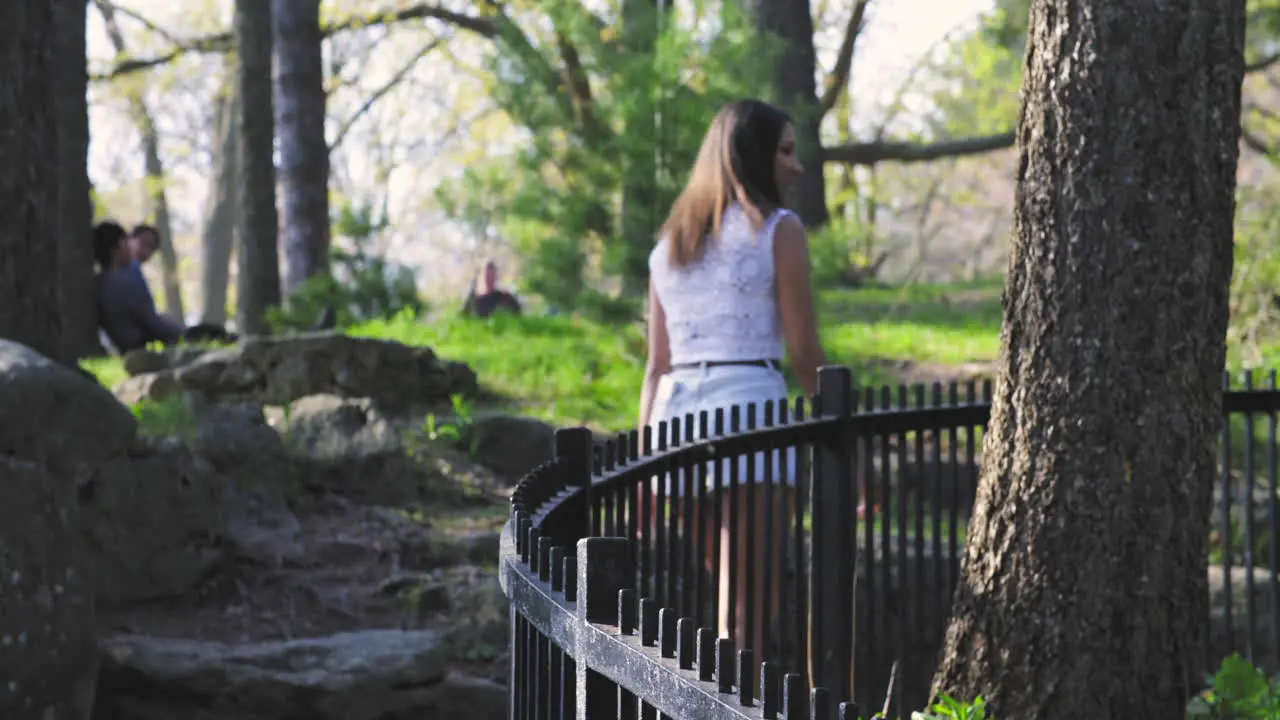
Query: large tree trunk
[(153, 167), (30, 303), (258, 262), (75, 207), (304, 153), (788, 25), (218, 234), (1084, 591)]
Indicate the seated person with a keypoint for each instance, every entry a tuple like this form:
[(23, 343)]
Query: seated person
[(145, 242), (485, 297), (126, 311)]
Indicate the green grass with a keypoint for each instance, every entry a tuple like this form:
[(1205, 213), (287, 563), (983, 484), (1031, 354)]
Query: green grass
[(564, 370), (570, 371), (109, 370), (942, 324)]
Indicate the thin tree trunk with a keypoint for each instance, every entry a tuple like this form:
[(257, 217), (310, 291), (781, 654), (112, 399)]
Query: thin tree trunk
[(30, 303), (75, 206), (304, 153), (787, 28), (1084, 587), (258, 261), (640, 215), (218, 235), (153, 166)]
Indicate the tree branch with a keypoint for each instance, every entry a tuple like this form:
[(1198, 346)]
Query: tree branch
[(1262, 63), (877, 151), (579, 86), (1255, 143), (222, 42), (380, 93), (838, 80), (138, 18), (871, 153)]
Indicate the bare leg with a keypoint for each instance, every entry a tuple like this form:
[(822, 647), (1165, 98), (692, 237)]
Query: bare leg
[(777, 511)]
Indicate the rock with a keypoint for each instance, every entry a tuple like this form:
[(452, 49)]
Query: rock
[(142, 361), (262, 528), (52, 415), (280, 370), (482, 612), (355, 451), (479, 547), (509, 444), (365, 675), (154, 386), (151, 524), (236, 439), (47, 632)]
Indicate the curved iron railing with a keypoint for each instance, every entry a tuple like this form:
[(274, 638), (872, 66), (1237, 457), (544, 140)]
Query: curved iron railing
[(614, 583)]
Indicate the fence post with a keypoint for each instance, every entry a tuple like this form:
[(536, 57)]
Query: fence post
[(573, 448), (833, 554), (605, 567)]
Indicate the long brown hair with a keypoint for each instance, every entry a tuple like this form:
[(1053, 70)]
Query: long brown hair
[(735, 164)]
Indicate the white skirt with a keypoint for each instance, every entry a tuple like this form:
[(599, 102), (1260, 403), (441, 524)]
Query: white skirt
[(696, 389)]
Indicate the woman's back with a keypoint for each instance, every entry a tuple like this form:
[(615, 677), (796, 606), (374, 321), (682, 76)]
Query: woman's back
[(724, 306)]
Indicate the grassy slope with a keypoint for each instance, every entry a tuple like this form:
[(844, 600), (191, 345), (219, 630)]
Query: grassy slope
[(570, 371)]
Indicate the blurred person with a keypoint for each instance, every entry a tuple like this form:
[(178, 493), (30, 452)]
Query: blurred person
[(485, 298), (729, 290), (126, 309)]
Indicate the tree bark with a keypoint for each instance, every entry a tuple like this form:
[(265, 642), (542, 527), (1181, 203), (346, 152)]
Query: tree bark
[(75, 206), (304, 153), (218, 234), (30, 301), (153, 168), (788, 24), (639, 217), (1084, 591), (258, 262)]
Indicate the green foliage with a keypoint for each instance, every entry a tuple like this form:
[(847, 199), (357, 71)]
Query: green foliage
[(165, 417), (1238, 691), (840, 250), (1256, 276), (362, 287), (948, 708), (457, 432), (557, 198), (972, 83)]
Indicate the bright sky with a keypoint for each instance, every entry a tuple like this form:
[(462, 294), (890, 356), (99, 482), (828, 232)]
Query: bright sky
[(898, 33)]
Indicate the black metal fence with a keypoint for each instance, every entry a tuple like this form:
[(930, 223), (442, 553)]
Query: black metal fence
[(819, 577)]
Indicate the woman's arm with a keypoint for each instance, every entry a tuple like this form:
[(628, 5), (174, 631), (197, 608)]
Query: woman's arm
[(659, 360), (795, 302)]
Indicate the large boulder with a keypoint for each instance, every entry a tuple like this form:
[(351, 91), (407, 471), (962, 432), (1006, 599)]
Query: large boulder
[(152, 523), (280, 370), (351, 448), (52, 415), (47, 634), (363, 675), (55, 426), (510, 445)]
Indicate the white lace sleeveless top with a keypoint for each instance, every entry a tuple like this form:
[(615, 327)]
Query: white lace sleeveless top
[(724, 306)]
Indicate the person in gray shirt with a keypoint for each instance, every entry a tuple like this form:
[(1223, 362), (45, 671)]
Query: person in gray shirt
[(126, 310)]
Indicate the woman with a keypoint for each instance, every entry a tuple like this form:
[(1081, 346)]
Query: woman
[(729, 290)]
